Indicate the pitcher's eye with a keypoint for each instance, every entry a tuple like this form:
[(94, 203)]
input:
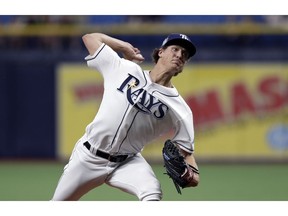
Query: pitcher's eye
[(185, 54)]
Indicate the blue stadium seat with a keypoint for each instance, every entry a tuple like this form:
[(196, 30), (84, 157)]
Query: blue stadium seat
[(5, 19), (106, 19), (194, 18), (210, 19)]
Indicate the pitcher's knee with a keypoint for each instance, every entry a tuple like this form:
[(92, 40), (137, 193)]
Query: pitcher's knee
[(151, 190), (152, 197)]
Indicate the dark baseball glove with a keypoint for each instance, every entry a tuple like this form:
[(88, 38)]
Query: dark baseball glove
[(176, 167)]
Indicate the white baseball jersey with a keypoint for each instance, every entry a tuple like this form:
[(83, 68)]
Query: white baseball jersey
[(134, 110)]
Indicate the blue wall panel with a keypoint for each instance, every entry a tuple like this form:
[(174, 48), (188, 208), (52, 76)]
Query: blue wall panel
[(27, 109)]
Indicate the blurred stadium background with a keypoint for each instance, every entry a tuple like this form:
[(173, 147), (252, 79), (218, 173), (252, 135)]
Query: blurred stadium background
[(236, 85)]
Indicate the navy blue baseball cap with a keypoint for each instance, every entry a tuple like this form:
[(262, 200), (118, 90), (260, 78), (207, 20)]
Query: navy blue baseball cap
[(181, 40)]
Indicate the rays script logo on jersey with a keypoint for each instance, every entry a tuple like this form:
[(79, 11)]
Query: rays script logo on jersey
[(141, 99)]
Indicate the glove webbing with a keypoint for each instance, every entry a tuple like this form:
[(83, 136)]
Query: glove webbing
[(177, 186)]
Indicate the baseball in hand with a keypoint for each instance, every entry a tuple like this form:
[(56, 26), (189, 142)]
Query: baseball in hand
[(139, 59)]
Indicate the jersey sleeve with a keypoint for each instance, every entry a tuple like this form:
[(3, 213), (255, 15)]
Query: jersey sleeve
[(105, 60), (184, 134)]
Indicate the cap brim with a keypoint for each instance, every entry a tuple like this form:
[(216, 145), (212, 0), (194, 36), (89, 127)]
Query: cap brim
[(184, 43)]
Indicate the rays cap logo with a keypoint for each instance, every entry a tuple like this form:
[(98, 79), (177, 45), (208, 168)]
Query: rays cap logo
[(181, 40)]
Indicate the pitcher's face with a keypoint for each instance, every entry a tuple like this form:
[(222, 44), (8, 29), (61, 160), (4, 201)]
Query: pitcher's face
[(174, 58)]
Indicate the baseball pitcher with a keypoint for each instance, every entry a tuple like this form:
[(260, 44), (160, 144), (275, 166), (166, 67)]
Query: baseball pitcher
[(137, 107)]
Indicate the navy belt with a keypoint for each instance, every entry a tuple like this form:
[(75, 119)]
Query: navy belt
[(105, 155)]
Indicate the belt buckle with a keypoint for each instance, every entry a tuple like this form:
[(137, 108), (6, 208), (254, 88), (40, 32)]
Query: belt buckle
[(110, 158), (117, 158)]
